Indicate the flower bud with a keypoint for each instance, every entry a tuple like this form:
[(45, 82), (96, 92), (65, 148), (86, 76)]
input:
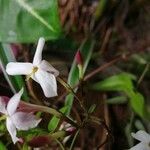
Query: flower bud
[(79, 58)]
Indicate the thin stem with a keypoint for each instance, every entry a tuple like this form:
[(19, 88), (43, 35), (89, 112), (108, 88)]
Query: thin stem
[(49, 110), (7, 77), (30, 89), (73, 141), (60, 144), (70, 89), (93, 73), (102, 123), (143, 73), (105, 141)]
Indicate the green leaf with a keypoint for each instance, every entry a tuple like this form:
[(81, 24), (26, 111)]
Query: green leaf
[(123, 83), (25, 146), (117, 100), (100, 8), (73, 79), (15, 82), (137, 103), (2, 146), (139, 124), (92, 108), (55, 121), (119, 82), (27, 20)]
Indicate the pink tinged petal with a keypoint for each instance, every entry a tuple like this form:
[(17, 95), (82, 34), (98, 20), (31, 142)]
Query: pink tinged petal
[(46, 66), (14, 102), (2, 106), (25, 121), (12, 130), (140, 146), (15, 68), (38, 54), (47, 82), (141, 136)]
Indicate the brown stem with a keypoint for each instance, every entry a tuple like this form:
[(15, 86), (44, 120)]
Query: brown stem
[(70, 89), (93, 73)]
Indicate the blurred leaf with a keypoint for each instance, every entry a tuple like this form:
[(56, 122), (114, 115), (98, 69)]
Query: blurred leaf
[(139, 59), (2, 146), (55, 121), (139, 125), (92, 108), (100, 8), (119, 82), (15, 82), (123, 82), (137, 103), (31, 133), (27, 20), (117, 100), (128, 131), (25, 146), (73, 79)]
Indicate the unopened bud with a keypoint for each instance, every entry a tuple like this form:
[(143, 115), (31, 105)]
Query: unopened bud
[(79, 58)]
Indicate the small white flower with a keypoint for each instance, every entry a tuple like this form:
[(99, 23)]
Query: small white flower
[(16, 120), (144, 139), (40, 71)]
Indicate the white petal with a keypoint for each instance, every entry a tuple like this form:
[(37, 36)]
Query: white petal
[(14, 102), (38, 54), (46, 66), (25, 121), (47, 82), (12, 130), (15, 68), (2, 106), (141, 136), (140, 146)]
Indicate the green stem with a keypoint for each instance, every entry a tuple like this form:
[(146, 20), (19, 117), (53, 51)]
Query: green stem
[(58, 134), (60, 144), (74, 139), (70, 89), (51, 111)]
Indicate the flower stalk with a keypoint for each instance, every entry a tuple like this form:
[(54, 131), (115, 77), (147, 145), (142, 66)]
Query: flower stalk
[(50, 111)]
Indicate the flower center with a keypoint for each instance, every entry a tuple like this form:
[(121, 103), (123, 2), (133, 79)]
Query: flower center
[(34, 70)]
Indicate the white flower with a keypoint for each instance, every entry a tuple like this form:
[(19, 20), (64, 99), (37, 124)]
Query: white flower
[(40, 71), (144, 139), (16, 120)]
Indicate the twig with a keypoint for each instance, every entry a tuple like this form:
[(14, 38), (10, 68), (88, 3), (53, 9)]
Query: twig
[(143, 73), (93, 73), (74, 139), (70, 89)]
